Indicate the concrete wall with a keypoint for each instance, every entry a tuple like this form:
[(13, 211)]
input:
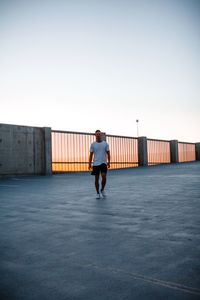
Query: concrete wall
[(25, 150)]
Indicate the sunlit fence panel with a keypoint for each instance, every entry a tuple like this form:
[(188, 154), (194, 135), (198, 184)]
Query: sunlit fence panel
[(70, 151), (124, 151), (158, 152), (186, 152)]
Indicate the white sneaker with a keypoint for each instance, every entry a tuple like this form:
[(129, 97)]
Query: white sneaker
[(103, 194), (98, 196)]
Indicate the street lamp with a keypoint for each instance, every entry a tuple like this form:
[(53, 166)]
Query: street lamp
[(137, 121)]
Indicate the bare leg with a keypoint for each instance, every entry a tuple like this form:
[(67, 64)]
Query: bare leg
[(97, 183), (103, 182)]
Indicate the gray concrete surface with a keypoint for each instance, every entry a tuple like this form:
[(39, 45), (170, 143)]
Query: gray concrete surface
[(174, 151), (142, 151), (197, 151), (24, 150), (141, 242)]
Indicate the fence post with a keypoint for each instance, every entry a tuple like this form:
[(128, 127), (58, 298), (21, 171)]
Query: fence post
[(142, 151), (174, 157), (47, 151), (197, 151), (103, 136)]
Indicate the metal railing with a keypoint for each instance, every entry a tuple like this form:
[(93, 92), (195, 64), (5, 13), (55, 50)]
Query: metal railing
[(124, 151), (70, 151), (158, 152), (186, 152)]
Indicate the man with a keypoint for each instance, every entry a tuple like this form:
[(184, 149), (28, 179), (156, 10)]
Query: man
[(99, 150)]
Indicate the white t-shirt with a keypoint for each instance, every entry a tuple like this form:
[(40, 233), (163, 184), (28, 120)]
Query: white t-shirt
[(100, 152)]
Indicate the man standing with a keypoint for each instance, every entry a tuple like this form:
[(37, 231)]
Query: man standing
[(100, 150)]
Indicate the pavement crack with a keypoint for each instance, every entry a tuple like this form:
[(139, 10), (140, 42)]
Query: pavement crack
[(155, 281)]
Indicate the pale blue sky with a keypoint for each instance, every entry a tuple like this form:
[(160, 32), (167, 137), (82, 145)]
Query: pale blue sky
[(82, 65)]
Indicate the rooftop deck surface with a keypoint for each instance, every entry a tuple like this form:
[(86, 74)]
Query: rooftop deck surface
[(141, 242)]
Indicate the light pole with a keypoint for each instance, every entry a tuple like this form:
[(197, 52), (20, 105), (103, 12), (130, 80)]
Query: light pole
[(137, 121)]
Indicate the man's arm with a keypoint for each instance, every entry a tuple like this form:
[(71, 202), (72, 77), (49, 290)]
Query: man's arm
[(90, 160), (108, 153)]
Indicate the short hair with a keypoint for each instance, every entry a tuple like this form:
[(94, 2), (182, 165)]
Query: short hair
[(97, 131)]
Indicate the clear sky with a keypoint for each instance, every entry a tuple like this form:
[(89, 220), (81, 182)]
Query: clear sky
[(82, 65)]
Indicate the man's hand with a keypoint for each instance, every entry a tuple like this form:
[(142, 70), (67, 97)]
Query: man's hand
[(90, 161), (108, 164)]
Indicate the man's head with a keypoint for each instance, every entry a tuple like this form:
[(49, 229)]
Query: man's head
[(98, 135)]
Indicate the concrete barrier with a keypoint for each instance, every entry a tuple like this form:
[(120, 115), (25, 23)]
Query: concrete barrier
[(142, 151), (174, 155), (25, 150), (197, 151)]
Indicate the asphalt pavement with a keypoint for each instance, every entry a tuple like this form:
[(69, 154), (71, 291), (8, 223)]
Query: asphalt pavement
[(57, 242)]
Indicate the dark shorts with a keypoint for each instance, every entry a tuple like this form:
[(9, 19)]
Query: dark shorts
[(96, 170)]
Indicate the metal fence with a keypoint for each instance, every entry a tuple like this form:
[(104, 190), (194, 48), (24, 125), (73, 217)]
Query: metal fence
[(70, 151), (124, 151), (186, 152), (158, 152)]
